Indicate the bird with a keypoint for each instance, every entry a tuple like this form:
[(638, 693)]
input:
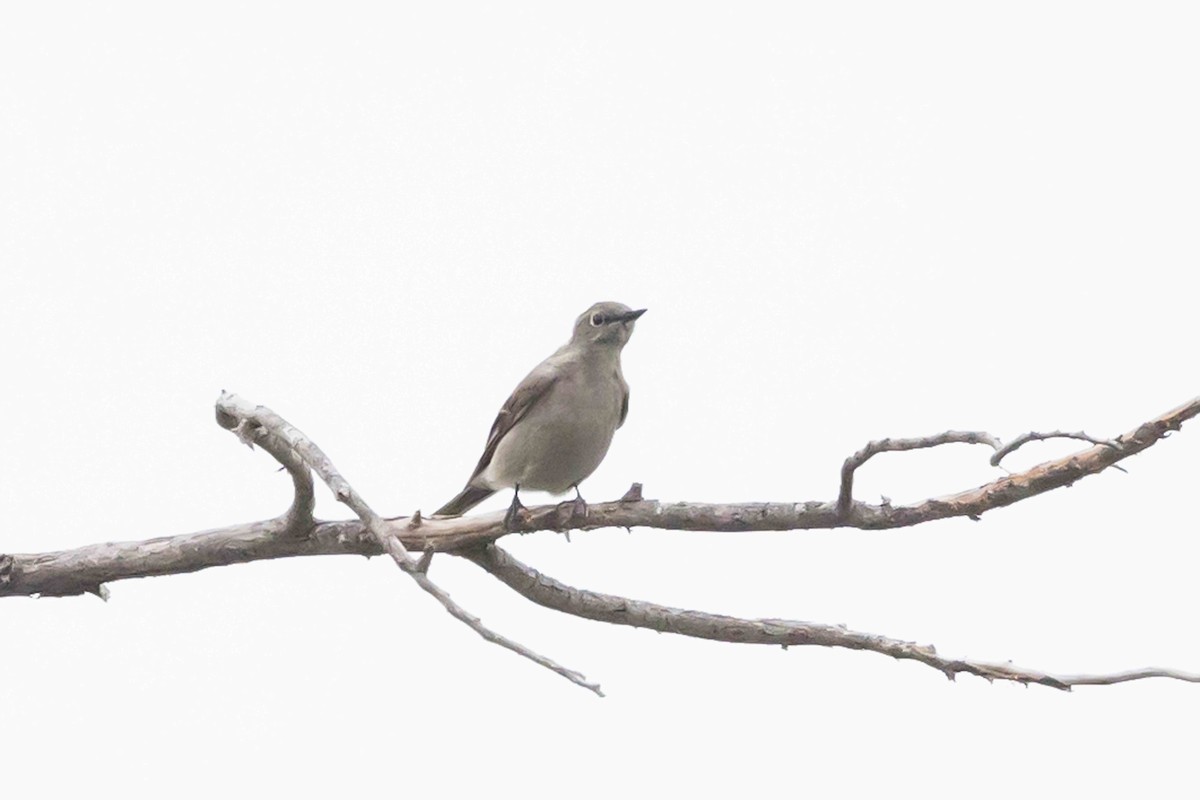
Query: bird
[(556, 426)]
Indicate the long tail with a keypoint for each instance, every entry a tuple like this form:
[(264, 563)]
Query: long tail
[(465, 500)]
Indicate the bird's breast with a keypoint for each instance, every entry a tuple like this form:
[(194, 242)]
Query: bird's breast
[(563, 438)]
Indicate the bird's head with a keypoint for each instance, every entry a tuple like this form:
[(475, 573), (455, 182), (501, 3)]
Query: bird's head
[(606, 324)]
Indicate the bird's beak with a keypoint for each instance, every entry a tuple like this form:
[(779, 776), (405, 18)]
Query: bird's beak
[(632, 315)]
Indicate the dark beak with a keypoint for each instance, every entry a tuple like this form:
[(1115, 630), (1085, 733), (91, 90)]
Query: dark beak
[(632, 315)]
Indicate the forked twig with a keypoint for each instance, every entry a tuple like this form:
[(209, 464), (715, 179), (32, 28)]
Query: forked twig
[(258, 423), (1033, 436), (845, 493)]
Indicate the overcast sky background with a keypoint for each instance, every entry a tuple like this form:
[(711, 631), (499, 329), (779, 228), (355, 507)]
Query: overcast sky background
[(847, 223)]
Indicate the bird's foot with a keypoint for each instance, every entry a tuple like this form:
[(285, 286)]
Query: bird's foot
[(514, 518), (564, 513), (570, 511)]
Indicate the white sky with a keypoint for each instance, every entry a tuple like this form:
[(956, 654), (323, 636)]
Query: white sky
[(846, 224)]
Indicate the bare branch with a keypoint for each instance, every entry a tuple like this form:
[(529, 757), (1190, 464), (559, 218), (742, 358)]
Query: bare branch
[(1131, 675), (258, 423), (87, 569), (299, 518), (548, 592), (73, 572), (1033, 436), (845, 496)]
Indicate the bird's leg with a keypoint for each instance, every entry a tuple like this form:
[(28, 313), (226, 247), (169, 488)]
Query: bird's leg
[(512, 518), (579, 507)]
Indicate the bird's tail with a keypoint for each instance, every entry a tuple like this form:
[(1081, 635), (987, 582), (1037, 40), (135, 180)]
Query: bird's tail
[(465, 500)]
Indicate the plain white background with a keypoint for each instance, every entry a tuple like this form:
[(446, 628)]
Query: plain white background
[(846, 223)]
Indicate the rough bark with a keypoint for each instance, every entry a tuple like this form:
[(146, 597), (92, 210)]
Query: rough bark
[(296, 533)]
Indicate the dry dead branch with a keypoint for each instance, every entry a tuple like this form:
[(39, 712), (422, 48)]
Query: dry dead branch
[(297, 533)]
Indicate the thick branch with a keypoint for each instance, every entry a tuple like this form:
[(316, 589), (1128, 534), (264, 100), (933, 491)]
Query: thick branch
[(548, 592), (72, 572), (85, 569)]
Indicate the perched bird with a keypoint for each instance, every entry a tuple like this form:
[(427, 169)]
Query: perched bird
[(556, 427)]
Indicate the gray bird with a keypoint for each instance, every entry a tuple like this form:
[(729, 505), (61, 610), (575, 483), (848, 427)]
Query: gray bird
[(556, 427)]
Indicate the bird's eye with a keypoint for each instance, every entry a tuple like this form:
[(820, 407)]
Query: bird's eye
[(597, 320)]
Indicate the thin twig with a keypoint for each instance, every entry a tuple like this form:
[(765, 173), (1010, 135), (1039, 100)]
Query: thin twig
[(258, 423), (548, 592), (845, 494), (1131, 675), (1034, 436)]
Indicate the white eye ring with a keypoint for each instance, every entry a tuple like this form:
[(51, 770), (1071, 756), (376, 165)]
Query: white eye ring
[(597, 320)]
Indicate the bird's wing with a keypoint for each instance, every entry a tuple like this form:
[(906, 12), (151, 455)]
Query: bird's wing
[(527, 394), (624, 399)]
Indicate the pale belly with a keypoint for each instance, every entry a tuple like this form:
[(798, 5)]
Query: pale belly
[(552, 451)]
